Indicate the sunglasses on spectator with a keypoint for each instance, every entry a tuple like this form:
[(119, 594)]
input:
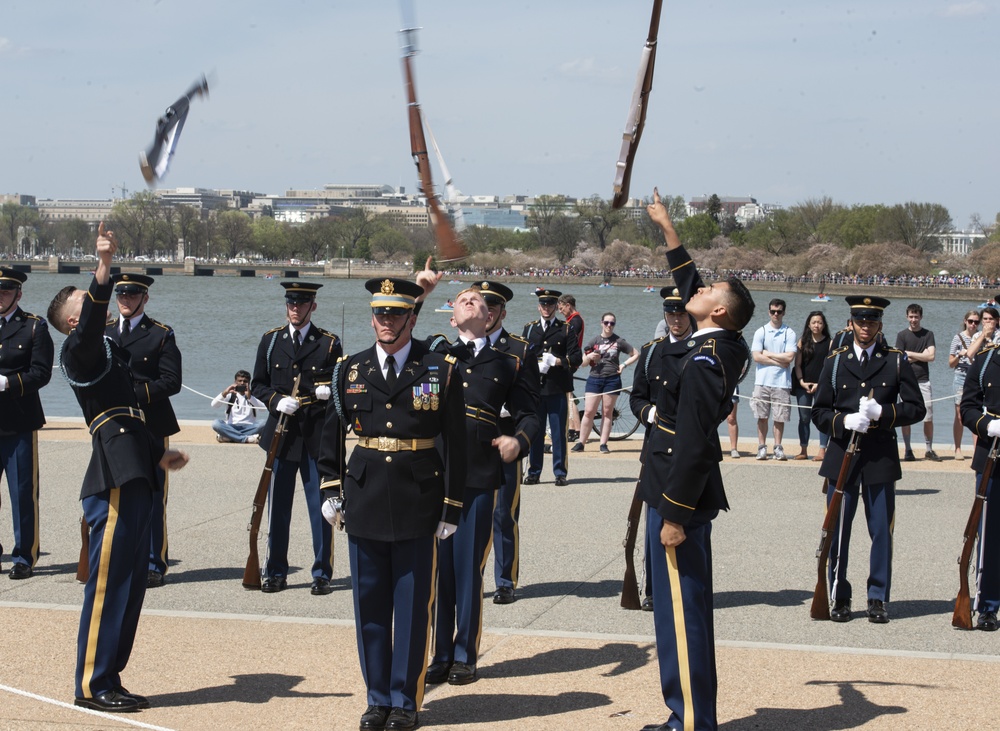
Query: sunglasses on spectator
[(973, 322), (609, 323), (777, 312)]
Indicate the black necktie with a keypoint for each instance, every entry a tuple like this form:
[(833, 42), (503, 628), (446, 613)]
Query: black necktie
[(3, 323), (864, 361), (471, 347), (126, 327), (297, 340), (390, 371)]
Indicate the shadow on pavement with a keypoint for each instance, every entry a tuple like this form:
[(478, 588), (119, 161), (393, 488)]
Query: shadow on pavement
[(783, 598), (853, 710), (922, 608), (501, 707), (919, 491), (583, 589), (623, 656), (257, 689)]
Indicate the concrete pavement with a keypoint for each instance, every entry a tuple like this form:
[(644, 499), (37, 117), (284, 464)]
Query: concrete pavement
[(565, 655)]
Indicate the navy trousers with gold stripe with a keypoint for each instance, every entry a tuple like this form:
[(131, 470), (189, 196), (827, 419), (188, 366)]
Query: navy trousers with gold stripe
[(279, 522), (19, 461), (158, 555), (458, 609), (112, 598), (685, 631), (988, 561), (880, 512), (505, 531), (393, 586)]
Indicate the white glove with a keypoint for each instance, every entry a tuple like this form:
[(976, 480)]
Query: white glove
[(322, 392), (993, 428), (651, 419), (445, 530), (548, 359), (857, 422), (543, 365), (288, 405), (3, 383), (504, 412), (870, 408), (329, 511)]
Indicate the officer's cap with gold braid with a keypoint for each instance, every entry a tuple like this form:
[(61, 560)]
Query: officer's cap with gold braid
[(865, 307), (672, 301), (10, 279), (131, 283), (494, 293), (547, 296), (391, 296), (297, 292)]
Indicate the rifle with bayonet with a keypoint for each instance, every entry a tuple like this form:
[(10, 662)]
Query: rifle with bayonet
[(251, 574), (962, 616), (821, 595), (630, 585)]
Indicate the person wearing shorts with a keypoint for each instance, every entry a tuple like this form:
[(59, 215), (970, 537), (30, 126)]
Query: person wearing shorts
[(603, 355), (773, 350)]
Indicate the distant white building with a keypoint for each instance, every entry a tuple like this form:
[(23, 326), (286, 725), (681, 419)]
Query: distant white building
[(960, 243)]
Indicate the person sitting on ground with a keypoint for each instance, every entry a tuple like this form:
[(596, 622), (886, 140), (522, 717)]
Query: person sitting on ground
[(240, 424)]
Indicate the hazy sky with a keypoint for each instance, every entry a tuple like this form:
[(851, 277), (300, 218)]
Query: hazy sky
[(870, 102)]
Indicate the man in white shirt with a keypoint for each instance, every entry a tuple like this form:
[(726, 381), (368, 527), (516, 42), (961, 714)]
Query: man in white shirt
[(240, 424), (773, 350)]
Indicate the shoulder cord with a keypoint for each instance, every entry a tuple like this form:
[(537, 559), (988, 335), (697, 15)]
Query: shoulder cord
[(833, 374), (982, 371), (335, 392), (270, 348), (437, 341), (649, 357), (77, 384)]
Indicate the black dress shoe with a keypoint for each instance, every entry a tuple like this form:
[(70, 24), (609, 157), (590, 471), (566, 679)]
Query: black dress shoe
[(110, 701), (503, 595), (374, 718), (647, 604), (20, 571), (572, 435), (273, 584), (530, 480), (401, 719), (841, 612), (987, 622), (462, 674), (437, 672), (877, 613), (561, 482), (658, 727), (321, 587), (154, 580), (142, 700)]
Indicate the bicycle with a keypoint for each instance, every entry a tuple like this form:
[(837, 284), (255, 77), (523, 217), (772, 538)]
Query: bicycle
[(623, 421)]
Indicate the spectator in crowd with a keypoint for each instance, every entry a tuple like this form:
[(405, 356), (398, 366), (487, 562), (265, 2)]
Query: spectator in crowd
[(773, 351), (734, 427), (918, 344), (812, 349), (603, 355), (958, 358), (240, 424)]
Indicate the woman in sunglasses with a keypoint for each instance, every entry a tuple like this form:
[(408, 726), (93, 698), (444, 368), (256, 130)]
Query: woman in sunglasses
[(958, 358), (604, 383)]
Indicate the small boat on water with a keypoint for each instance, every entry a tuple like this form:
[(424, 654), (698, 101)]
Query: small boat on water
[(647, 290), (820, 298), (448, 306), (605, 284), (454, 281)]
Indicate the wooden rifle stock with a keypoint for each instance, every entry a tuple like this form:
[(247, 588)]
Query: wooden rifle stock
[(962, 616), (821, 595), (83, 564), (251, 574), (630, 584)]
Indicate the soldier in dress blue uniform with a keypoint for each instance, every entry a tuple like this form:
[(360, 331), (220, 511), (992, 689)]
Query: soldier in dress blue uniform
[(506, 537), (645, 387), (400, 490), (296, 349), (558, 354), (863, 363), (493, 381), (118, 489), (682, 483), (155, 361), (980, 410), (25, 367)]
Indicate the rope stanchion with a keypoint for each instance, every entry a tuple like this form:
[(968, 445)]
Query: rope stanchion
[(798, 406), (212, 398)]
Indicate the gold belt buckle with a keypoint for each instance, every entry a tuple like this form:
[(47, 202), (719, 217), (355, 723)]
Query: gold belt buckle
[(388, 444)]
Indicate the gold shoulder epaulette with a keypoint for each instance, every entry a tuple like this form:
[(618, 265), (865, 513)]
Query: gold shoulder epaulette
[(450, 359), (652, 343), (275, 329), (892, 350), (991, 346), (838, 351), (518, 338), (708, 345), (342, 358)]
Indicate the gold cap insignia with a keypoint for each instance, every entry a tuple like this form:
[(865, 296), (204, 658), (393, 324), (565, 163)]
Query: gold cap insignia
[(387, 287), (867, 300)]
